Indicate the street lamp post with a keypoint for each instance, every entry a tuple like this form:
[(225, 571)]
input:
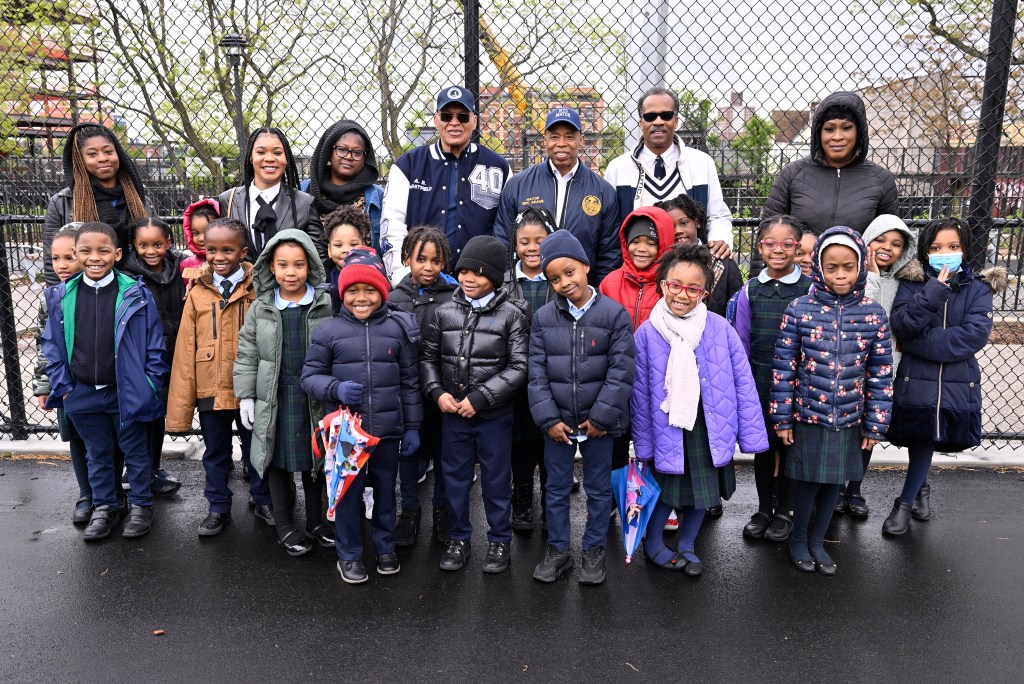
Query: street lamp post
[(234, 45)]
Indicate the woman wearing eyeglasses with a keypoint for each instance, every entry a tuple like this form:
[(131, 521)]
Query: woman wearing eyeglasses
[(693, 400), (343, 172)]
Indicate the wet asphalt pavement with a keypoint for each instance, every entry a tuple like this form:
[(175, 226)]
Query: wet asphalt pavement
[(943, 603)]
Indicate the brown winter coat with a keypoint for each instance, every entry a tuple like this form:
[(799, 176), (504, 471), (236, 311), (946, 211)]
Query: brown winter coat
[(204, 357)]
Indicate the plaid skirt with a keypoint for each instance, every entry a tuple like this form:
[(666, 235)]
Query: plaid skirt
[(702, 485), (821, 455)]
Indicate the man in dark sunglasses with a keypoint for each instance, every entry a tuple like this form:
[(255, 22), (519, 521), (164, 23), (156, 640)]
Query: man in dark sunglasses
[(662, 167), (453, 183)]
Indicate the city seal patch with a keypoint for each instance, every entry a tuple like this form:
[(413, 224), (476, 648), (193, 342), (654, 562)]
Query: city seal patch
[(591, 205)]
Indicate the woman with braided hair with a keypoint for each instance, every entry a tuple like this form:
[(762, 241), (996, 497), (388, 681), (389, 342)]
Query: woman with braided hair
[(269, 199), (103, 185)]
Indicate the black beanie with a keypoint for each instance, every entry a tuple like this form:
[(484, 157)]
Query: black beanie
[(485, 255)]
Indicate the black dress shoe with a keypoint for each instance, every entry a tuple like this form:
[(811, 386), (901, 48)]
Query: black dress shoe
[(296, 544), (922, 508), (265, 513), (213, 524), (455, 556), (140, 522), (857, 506), (827, 568), (387, 564), (499, 555), (83, 511), (780, 529), (757, 526), (101, 523), (352, 572), (840, 504), (692, 568), (898, 521), (555, 564), (322, 534), (164, 484), (407, 528), (714, 511), (804, 564)]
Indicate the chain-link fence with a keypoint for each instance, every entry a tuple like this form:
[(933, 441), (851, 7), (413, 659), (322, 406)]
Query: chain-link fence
[(182, 82)]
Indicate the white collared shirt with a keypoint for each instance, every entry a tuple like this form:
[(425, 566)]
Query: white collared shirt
[(793, 276), (102, 282), (669, 156), (234, 278), (561, 188), (522, 276), (578, 313), (283, 304), (270, 194)]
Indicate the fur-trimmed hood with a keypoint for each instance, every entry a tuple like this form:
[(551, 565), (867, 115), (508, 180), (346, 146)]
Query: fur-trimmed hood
[(996, 278), (901, 269)]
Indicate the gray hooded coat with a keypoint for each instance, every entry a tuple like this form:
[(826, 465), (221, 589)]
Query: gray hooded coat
[(882, 286)]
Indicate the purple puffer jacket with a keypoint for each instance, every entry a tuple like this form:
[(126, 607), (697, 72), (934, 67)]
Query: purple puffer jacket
[(727, 389)]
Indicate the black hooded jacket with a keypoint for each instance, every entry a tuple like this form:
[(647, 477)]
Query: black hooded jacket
[(168, 290), (822, 196), (59, 208)]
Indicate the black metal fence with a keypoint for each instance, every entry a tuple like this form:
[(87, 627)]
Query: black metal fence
[(182, 83)]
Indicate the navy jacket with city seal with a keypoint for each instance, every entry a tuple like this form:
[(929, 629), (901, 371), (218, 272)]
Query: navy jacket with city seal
[(476, 353), (140, 363), (582, 370), (938, 382), (833, 361), (590, 212), (418, 193)]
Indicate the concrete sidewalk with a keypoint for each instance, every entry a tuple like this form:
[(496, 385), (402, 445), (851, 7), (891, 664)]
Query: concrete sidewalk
[(1002, 454)]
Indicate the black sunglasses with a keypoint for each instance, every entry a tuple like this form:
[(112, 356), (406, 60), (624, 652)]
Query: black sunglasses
[(446, 117), (651, 116)]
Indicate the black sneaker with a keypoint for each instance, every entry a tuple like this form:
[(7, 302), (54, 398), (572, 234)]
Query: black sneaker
[(522, 519), (140, 522), (387, 564), (352, 572), (455, 556), (555, 564), (101, 523), (499, 555), (407, 528), (592, 569)]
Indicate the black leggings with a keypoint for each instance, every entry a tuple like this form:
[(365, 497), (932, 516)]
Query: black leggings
[(853, 489), (280, 484), (766, 481)]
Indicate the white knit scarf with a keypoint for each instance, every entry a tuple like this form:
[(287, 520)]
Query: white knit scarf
[(682, 380)]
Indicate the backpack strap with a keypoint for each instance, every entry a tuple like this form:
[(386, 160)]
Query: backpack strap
[(231, 201)]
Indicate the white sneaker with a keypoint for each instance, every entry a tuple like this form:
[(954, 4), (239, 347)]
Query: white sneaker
[(368, 503), (672, 524)]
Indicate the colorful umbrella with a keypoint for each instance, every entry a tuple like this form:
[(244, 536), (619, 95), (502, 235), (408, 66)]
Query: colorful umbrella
[(345, 451), (636, 494)]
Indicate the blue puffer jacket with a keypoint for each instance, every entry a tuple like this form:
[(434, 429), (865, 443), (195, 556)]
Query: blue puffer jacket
[(582, 370), (833, 361), (380, 354), (938, 383), (727, 392), (139, 355)]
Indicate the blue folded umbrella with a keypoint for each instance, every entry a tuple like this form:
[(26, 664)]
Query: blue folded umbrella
[(636, 494)]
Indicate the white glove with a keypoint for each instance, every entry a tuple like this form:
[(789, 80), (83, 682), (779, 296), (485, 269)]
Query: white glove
[(248, 411)]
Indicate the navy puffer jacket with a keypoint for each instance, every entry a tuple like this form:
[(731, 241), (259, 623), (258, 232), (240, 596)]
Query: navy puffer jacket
[(938, 383), (379, 353), (833, 361), (582, 370)]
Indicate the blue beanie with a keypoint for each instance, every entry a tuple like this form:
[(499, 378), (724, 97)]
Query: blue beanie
[(560, 244)]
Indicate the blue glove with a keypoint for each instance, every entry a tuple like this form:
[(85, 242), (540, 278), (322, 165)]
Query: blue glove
[(410, 443), (350, 392)]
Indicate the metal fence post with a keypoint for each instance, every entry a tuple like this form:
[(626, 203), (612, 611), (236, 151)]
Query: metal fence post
[(9, 333), (990, 125), (471, 60)]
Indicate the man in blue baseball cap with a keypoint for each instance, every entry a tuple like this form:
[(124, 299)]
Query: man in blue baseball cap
[(453, 183), (580, 200)]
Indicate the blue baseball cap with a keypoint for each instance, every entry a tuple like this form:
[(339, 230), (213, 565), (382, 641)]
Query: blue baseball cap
[(564, 115), (458, 94)]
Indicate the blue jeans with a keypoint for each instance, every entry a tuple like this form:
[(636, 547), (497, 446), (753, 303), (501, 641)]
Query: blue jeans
[(597, 481)]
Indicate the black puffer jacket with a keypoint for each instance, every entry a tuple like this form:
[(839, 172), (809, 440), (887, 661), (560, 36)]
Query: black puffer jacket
[(822, 196), (168, 290), (476, 353), (406, 296), (380, 354), (582, 370)]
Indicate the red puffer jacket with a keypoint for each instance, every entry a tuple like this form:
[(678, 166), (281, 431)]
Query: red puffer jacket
[(636, 289)]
